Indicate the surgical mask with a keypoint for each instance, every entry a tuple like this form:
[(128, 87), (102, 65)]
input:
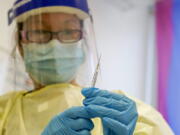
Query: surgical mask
[(53, 62)]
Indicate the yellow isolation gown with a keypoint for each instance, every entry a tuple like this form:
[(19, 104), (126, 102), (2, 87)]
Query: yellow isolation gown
[(28, 113)]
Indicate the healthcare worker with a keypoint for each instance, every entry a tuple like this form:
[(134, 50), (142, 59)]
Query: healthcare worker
[(55, 41)]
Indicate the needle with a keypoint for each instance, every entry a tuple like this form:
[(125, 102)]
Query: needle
[(96, 73)]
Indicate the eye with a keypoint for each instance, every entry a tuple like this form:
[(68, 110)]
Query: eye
[(38, 36), (68, 36)]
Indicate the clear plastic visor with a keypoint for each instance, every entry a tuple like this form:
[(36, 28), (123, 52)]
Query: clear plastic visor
[(52, 48)]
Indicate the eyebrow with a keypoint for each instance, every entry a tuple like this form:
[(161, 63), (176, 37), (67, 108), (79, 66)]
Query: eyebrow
[(43, 23), (35, 22), (73, 20)]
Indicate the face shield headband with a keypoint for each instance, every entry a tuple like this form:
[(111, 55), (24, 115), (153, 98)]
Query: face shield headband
[(22, 8)]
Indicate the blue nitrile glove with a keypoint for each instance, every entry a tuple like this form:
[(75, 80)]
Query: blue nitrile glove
[(118, 112), (74, 121)]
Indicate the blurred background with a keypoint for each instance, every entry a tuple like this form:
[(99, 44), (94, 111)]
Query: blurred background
[(140, 47)]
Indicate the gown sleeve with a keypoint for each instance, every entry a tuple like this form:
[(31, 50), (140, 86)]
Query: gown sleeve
[(6, 103)]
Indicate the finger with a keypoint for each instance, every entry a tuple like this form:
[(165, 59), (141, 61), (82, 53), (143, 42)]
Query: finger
[(106, 131), (94, 92), (83, 132), (118, 105), (101, 111), (123, 108), (81, 124), (132, 125), (76, 112), (116, 126), (53, 126)]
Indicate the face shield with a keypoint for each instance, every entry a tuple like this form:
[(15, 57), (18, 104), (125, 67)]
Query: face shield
[(53, 43)]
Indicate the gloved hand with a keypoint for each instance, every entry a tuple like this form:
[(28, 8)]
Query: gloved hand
[(118, 112), (74, 121)]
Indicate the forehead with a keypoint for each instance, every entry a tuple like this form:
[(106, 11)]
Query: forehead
[(50, 20)]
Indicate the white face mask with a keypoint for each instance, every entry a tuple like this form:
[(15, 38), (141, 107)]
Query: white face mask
[(53, 62)]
